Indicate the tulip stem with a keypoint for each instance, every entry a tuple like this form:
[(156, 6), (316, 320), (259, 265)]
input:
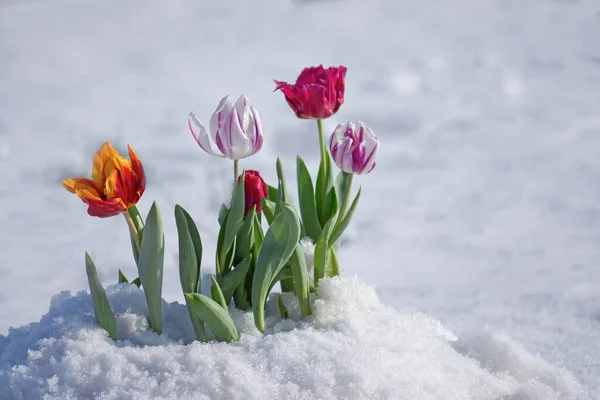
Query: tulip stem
[(133, 229), (235, 173), (321, 140), (345, 200)]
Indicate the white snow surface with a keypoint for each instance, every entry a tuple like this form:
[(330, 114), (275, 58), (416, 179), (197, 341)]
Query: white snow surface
[(352, 347), (484, 208)]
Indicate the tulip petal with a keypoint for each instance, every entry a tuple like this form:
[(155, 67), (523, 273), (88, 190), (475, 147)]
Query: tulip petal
[(239, 145), (140, 175), (256, 135), (98, 176), (199, 132), (219, 117)]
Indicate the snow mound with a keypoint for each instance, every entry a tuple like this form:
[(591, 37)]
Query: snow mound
[(352, 347)]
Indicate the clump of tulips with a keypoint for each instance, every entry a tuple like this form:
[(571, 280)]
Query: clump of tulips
[(249, 261)]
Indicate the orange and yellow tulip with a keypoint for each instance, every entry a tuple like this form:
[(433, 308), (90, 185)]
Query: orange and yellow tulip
[(117, 183)]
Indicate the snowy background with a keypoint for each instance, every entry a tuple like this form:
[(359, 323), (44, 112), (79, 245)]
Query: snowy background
[(484, 209)]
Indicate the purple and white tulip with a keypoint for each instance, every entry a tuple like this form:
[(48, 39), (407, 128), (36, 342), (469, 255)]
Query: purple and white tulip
[(354, 147), (236, 130)]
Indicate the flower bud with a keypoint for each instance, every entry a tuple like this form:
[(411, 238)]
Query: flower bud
[(354, 147), (255, 189)]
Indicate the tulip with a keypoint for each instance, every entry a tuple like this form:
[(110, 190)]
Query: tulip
[(354, 147), (236, 130), (318, 92), (117, 183), (255, 189)]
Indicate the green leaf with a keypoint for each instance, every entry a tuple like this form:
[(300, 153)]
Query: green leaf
[(190, 260), (279, 243), (189, 266), (287, 285), (279, 200), (137, 282), (235, 218), (222, 213), (217, 294), (245, 237), (306, 196), (196, 240), (281, 179), (104, 314), (282, 309), (301, 279), (341, 183), (334, 265), (272, 192), (322, 250), (223, 261), (122, 278), (323, 189), (284, 273), (341, 227), (150, 266), (197, 324), (232, 280), (268, 209), (214, 316)]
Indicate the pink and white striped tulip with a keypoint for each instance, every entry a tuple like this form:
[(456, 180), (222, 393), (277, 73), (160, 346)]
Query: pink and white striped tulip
[(236, 130), (354, 147)]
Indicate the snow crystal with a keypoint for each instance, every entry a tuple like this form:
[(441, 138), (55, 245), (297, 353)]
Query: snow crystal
[(352, 347)]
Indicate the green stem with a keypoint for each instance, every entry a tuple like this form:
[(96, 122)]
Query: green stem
[(235, 173), (345, 200), (322, 140), (134, 231)]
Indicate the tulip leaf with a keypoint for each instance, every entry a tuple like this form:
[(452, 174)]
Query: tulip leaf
[(150, 266), (235, 217), (272, 192), (282, 309), (189, 265), (217, 294), (306, 197), (137, 282), (104, 314), (301, 279), (222, 213), (280, 197), (333, 264), (325, 191), (343, 224), (122, 278), (341, 184), (277, 247), (322, 250), (224, 261), (190, 260), (285, 273), (281, 179), (232, 280), (214, 316), (244, 243), (268, 209)]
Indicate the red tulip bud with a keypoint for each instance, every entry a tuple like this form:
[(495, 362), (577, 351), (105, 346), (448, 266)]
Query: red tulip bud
[(255, 189)]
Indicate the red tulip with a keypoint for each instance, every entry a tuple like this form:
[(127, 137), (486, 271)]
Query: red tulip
[(318, 92), (255, 189)]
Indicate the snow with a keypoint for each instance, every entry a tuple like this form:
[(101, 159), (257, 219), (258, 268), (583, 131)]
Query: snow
[(484, 208), (353, 347)]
